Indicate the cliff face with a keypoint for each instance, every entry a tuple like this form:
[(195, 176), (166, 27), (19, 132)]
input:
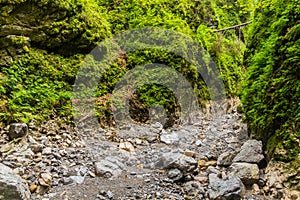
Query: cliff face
[(43, 42), (41, 46), (63, 27), (270, 94)]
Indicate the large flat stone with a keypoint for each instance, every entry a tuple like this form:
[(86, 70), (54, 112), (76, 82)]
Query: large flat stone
[(108, 167), (179, 161)]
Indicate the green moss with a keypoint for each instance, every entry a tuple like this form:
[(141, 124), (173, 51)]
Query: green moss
[(65, 27), (37, 86), (20, 41), (270, 93), (71, 27)]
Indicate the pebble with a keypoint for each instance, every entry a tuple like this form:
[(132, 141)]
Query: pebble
[(77, 179), (190, 153), (201, 179), (169, 138), (47, 151), (33, 188), (175, 174), (133, 173)]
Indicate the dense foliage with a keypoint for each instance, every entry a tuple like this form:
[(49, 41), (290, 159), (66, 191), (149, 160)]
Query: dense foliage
[(66, 27), (76, 27), (37, 86), (39, 46), (198, 20), (44, 42), (270, 93)]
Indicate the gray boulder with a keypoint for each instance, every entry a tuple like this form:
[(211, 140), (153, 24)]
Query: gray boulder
[(179, 161), (230, 188), (248, 173), (108, 167), (251, 152), (17, 130), (12, 186), (194, 190)]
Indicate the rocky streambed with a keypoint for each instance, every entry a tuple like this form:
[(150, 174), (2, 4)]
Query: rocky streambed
[(207, 159)]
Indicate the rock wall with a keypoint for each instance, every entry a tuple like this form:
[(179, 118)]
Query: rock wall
[(270, 93), (59, 26), (42, 44)]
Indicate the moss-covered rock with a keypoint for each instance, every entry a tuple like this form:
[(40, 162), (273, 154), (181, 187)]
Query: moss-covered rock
[(64, 27), (41, 46), (38, 38), (270, 93)]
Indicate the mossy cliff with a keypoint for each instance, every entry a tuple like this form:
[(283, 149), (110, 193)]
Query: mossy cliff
[(271, 90), (41, 46), (64, 27), (44, 42)]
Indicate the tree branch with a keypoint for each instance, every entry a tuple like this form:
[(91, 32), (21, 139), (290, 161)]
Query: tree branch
[(232, 27)]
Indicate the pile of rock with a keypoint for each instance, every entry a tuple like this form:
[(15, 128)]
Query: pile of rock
[(226, 178), (44, 157), (243, 171), (205, 160)]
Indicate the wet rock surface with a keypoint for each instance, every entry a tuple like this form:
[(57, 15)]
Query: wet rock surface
[(209, 159)]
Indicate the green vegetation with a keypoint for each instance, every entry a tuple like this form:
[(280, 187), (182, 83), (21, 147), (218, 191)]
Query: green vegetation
[(270, 93), (192, 18), (49, 35), (65, 27), (43, 44), (38, 84)]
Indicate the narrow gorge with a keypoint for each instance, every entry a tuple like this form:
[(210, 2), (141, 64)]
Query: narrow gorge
[(209, 90)]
